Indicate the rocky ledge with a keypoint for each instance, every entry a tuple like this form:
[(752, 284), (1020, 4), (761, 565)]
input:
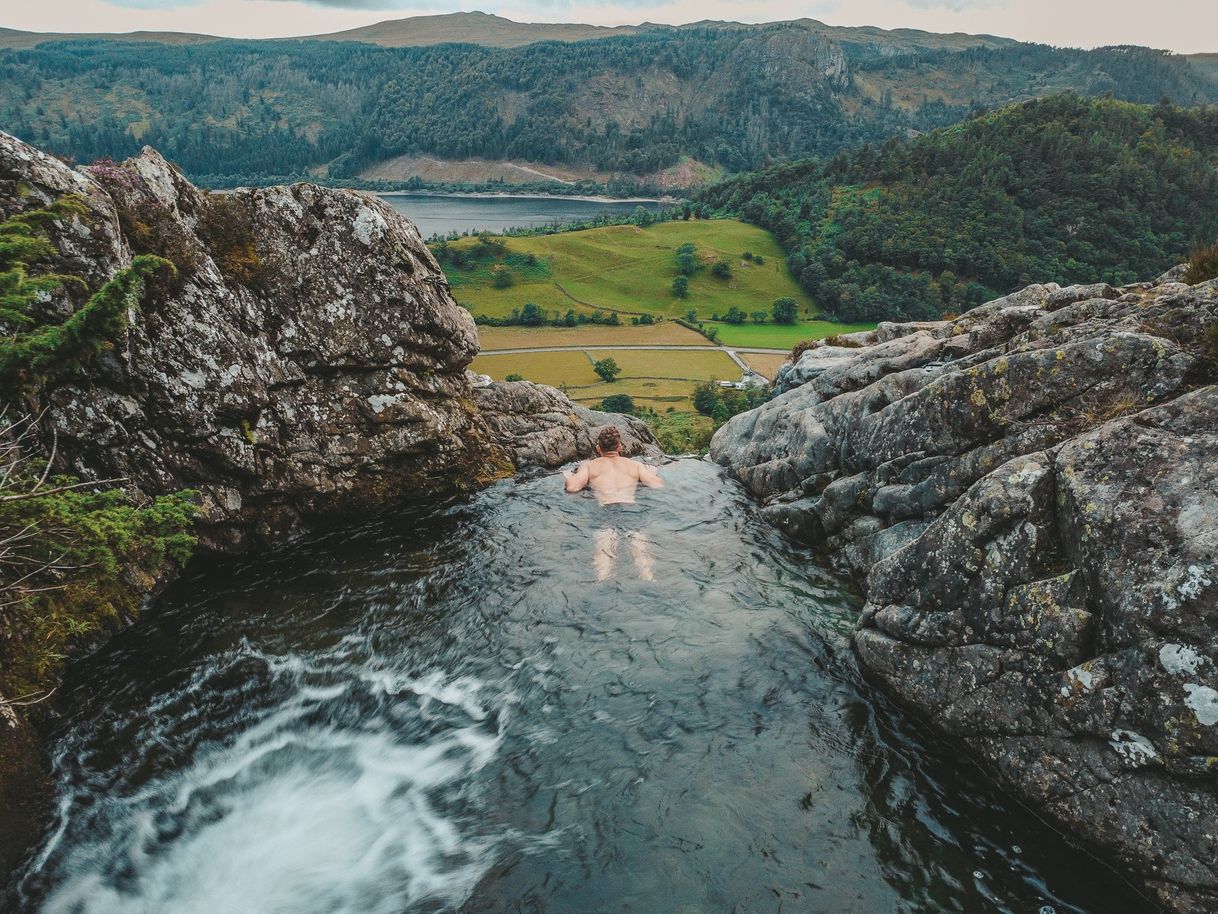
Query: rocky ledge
[(1029, 495), (308, 358)]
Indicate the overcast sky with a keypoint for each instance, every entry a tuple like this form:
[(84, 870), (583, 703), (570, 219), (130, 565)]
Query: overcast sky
[(1181, 25)]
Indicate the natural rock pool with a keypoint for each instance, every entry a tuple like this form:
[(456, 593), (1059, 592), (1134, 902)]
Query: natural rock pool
[(445, 710)]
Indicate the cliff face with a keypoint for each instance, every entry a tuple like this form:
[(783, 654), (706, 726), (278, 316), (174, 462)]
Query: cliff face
[(1030, 494), (308, 358)]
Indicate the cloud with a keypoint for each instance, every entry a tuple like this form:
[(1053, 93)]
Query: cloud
[(154, 4), (399, 5), (955, 6)]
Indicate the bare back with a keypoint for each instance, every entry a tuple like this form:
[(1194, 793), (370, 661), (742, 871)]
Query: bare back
[(613, 479)]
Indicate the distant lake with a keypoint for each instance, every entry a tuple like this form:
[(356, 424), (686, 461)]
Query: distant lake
[(438, 214)]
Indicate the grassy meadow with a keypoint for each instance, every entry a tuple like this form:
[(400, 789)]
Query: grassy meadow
[(764, 363), (780, 336), (630, 270), (668, 333), (654, 378), (627, 269)]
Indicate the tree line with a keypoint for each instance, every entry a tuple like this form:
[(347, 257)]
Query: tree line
[(740, 99), (1061, 189)]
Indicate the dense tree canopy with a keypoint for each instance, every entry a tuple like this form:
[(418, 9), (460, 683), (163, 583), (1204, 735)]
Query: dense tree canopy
[(1061, 189), (737, 98)]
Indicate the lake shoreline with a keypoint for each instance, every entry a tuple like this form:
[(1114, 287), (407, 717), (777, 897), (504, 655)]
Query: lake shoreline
[(488, 195)]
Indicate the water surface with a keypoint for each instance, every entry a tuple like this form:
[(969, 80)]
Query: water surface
[(445, 710), (439, 214)]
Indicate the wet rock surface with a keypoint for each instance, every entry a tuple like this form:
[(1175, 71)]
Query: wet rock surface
[(1029, 494), (307, 359)]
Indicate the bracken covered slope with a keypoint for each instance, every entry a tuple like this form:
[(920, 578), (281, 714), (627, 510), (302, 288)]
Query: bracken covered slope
[(1030, 497)]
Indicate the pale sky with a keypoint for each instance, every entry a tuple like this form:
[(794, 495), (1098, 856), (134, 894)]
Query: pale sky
[(1186, 26)]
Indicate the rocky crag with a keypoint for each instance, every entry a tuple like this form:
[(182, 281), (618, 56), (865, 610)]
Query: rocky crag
[(1029, 495), (305, 359)]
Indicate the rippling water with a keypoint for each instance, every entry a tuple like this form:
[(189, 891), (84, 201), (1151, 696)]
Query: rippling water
[(446, 710)]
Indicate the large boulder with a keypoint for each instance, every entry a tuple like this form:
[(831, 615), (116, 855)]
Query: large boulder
[(308, 358), (1029, 495)]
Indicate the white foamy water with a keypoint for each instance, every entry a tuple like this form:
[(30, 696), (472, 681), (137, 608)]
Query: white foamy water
[(301, 812)]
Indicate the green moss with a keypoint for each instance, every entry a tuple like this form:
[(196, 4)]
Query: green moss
[(38, 352), (99, 554), (75, 559)]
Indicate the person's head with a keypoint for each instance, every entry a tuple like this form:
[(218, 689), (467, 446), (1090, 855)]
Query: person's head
[(609, 441)]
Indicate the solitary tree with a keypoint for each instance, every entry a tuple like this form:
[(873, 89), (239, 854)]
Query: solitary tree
[(687, 259), (617, 403), (532, 315), (680, 287), (721, 270), (692, 315), (785, 310), (607, 369), (501, 276), (759, 317)]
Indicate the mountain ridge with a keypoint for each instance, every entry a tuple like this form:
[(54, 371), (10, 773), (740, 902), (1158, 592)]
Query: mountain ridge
[(489, 30), (622, 107)]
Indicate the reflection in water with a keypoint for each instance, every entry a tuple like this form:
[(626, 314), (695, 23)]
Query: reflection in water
[(604, 556), (447, 710)]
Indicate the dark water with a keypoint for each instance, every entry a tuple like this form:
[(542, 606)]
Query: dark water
[(439, 214), (445, 710)]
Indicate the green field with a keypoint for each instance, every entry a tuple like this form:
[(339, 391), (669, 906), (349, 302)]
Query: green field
[(780, 336), (628, 269), (666, 333), (656, 378)]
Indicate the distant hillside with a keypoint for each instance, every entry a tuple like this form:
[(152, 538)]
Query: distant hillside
[(497, 32), (723, 96), (471, 28), (1060, 189), (14, 38), (1206, 64)]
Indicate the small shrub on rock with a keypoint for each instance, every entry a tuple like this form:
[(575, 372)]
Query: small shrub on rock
[(1202, 265)]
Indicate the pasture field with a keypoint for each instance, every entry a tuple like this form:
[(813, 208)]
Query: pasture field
[(699, 365), (667, 333), (656, 378), (763, 363), (781, 336), (623, 268)]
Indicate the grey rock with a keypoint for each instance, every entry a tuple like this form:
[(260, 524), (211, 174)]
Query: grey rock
[(1030, 495), (329, 376), (541, 427)]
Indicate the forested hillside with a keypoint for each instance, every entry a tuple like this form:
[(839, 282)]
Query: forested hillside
[(730, 97), (1063, 189)]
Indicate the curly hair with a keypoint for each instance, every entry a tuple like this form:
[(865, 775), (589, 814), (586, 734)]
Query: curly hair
[(609, 439)]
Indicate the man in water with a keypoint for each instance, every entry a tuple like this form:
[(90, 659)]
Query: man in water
[(613, 479)]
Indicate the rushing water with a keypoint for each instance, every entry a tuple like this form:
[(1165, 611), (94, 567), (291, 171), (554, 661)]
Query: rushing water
[(445, 710), (439, 214)]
